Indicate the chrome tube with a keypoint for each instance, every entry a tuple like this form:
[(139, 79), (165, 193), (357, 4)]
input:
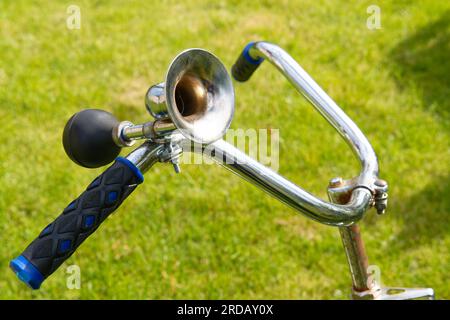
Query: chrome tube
[(281, 188), (276, 185), (149, 130), (133, 132), (284, 190), (146, 155), (324, 104)]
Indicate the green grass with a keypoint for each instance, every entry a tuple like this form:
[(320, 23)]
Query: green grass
[(206, 233)]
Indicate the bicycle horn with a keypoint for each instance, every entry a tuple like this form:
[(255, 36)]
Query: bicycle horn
[(196, 103), (196, 100)]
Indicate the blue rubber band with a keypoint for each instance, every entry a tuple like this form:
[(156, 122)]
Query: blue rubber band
[(27, 272), (247, 56), (133, 168)]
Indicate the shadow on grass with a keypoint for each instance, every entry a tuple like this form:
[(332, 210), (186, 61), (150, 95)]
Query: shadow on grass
[(426, 215), (422, 61)]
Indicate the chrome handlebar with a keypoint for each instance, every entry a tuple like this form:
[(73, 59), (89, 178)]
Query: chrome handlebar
[(363, 187), (288, 192), (325, 105)]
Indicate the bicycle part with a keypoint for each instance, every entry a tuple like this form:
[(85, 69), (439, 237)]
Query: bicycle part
[(366, 286), (88, 139), (59, 240), (197, 99)]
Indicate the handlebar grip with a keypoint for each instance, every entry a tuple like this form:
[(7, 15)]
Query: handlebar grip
[(59, 240), (245, 65)]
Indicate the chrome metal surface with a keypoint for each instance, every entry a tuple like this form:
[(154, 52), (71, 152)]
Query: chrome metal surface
[(394, 293), (324, 104), (286, 191), (172, 154), (155, 130), (364, 287), (340, 191), (397, 293), (199, 96), (162, 128), (155, 101), (118, 136), (196, 104), (138, 131), (146, 155), (133, 132), (381, 196)]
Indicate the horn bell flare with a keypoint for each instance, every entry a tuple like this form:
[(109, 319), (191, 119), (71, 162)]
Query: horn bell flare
[(199, 96)]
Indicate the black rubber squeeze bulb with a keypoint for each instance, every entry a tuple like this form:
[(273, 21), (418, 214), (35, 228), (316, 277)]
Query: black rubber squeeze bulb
[(88, 139)]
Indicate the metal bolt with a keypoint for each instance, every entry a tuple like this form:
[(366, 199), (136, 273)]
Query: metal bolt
[(381, 203), (336, 182), (381, 183), (176, 165)]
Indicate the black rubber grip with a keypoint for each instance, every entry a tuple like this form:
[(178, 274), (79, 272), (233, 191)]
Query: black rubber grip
[(59, 240), (245, 65)]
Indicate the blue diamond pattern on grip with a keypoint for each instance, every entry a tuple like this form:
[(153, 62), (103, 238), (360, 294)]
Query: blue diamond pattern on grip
[(89, 221), (64, 245), (95, 183), (48, 229), (112, 196), (79, 220), (71, 206)]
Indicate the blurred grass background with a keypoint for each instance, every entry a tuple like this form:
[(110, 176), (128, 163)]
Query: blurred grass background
[(206, 233)]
